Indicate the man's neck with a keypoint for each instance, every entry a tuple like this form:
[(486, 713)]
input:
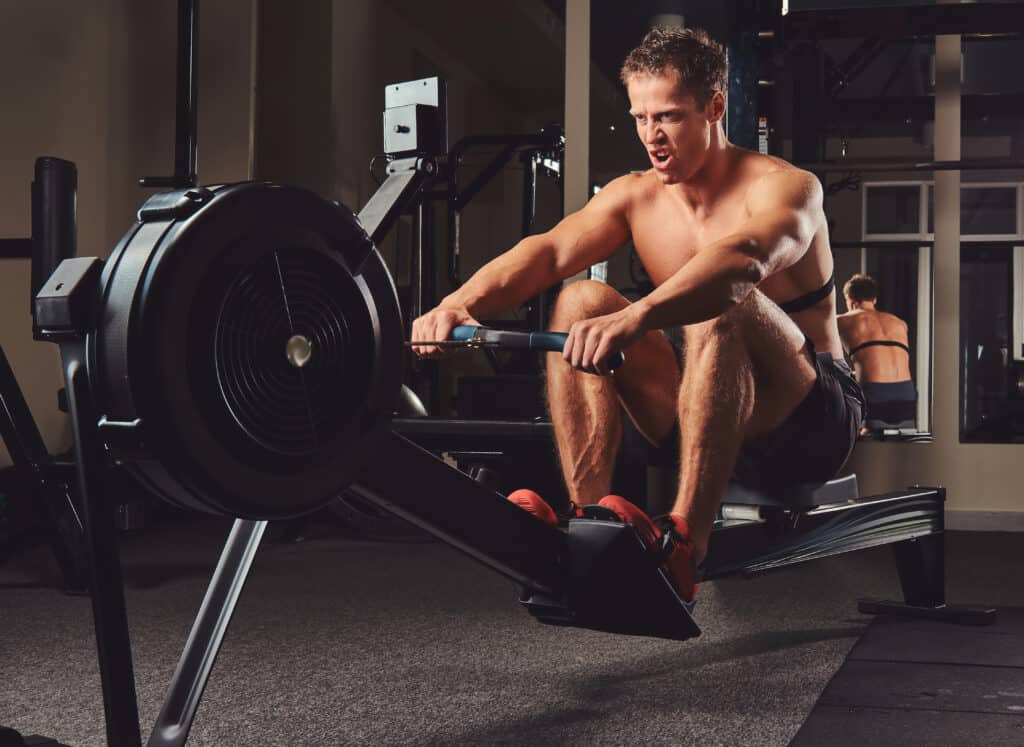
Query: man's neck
[(703, 189)]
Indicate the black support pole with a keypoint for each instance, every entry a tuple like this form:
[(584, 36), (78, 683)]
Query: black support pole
[(186, 120), (117, 677), (186, 109), (53, 220), (808, 101)]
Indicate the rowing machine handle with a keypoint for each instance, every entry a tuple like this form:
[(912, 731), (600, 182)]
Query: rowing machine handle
[(553, 342)]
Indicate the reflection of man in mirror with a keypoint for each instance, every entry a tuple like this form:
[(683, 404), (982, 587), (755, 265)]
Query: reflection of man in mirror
[(878, 346)]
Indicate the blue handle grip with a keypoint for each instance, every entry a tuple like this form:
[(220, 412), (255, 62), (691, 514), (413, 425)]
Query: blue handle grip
[(463, 332), (550, 341)]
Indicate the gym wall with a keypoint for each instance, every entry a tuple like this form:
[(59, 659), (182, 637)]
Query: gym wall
[(95, 85)]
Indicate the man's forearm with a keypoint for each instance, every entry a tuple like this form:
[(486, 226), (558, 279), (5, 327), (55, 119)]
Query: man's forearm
[(508, 280), (714, 281)]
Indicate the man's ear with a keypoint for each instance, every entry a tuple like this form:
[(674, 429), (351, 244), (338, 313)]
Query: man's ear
[(715, 108)]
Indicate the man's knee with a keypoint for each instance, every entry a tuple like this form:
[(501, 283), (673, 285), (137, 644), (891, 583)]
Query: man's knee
[(727, 326), (742, 323), (585, 299)]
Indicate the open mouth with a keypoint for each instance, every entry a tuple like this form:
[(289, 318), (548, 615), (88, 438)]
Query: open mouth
[(660, 157)]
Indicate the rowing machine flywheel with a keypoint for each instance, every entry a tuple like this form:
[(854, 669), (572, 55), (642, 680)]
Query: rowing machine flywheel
[(247, 350)]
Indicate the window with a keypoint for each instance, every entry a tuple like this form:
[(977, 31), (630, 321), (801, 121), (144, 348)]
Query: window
[(988, 210), (892, 209)]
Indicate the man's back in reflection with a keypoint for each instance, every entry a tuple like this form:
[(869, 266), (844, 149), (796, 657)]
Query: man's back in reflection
[(878, 347)]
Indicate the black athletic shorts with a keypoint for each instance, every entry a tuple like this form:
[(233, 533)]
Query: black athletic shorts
[(810, 447), (892, 402)]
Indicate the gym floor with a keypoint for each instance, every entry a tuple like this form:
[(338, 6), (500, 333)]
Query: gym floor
[(344, 641)]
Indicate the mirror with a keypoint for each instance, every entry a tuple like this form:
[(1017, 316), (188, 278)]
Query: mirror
[(884, 285)]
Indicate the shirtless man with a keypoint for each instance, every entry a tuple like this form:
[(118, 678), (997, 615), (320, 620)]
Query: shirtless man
[(737, 245), (879, 347)]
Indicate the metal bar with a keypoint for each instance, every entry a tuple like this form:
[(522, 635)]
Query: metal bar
[(464, 514), (536, 141), (16, 248), (997, 108), (185, 104), (120, 704), (452, 187), (190, 678), (903, 22), (529, 214), (977, 164), (391, 198), (838, 77), (497, 163), (428, 233), (439, 433), (186, 118), (417, 263), (18, 428), (915, 243)]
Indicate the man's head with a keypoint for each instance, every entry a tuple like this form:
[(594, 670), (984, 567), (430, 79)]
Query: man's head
[(676, 80), (860, 289)]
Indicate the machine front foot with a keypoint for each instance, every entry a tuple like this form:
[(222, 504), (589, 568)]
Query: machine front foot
[(951, 613)]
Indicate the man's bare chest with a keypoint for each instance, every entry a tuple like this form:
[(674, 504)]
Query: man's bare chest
[(667, 236)]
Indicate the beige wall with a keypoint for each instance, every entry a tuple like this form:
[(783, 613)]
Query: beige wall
[(95, 85)]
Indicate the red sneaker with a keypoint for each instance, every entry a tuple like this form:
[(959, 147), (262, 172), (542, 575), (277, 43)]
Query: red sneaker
[(530, 501), (534, 504), (668, 541), (681, 560)]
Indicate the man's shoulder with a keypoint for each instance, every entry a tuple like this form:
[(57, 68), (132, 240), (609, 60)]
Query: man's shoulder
[(770, 177), (631, 184), (623, 191), (851, 320), (893, 319)]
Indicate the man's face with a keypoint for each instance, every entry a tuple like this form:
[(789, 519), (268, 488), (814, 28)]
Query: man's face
[(673, 129)]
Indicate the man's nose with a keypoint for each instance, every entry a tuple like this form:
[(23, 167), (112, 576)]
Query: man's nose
[(652, 133)]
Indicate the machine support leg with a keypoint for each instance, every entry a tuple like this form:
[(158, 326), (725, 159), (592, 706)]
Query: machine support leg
[(196, 663), (921, 564), (117, 675)]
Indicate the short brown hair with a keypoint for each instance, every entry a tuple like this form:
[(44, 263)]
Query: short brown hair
[(700, 61), (861, 288)]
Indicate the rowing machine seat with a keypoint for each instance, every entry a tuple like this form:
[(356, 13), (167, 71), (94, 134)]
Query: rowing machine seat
[(795, 496)]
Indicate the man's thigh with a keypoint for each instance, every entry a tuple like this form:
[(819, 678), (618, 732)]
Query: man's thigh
[(814, 442)]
